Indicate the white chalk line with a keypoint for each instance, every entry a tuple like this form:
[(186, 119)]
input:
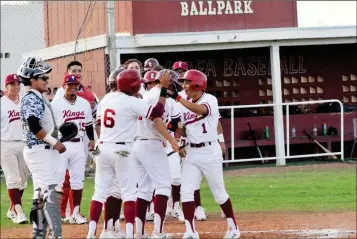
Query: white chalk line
[(326, 233)]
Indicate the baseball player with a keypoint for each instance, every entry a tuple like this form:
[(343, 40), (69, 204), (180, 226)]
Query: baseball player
[(71, 108), (150, 63), (152, 164), (112, 206), (12, 146), (118, 116), (180, 67), (134, 64), (204, 155), (75, 67), (42, 150)]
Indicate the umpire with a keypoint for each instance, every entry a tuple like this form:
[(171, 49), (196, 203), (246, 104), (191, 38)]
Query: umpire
[(42, 149)]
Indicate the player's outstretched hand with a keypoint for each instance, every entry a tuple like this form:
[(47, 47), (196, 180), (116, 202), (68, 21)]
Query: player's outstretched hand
[(165, 79), (60, 147), (174, 145)]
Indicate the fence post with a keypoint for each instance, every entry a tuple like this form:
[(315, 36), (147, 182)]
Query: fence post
[(278, 108), (111, 35)]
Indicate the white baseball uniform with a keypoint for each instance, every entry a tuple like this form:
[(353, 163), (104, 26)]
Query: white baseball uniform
[(12, 145), (42, 160), (74, 159), (118, 114), (152, 162), (203, 153)]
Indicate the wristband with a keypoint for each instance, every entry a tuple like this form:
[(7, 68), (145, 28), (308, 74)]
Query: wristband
[(221, 138), (49, 139), (163, 92), (178, 98)]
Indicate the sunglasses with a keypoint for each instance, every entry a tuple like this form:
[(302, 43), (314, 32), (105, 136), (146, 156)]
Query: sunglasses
[(44, 78)]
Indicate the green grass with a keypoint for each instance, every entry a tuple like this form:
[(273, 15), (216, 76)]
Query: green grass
[(321, 190)]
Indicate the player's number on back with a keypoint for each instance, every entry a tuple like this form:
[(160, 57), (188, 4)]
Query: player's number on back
[(108, 118), (204, 128)]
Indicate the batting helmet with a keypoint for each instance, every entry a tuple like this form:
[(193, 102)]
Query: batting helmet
[(129, 82), (150, 76), (30, 68), (112, 80), (197, 78), (174, 85), (150, 63)]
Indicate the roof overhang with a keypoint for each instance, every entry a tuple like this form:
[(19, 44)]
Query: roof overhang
[(218, 40)]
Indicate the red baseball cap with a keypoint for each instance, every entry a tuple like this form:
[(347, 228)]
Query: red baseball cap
[(180, 65), (71, 79), (11, 78)]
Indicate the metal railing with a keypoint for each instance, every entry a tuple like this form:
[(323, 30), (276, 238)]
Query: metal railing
[(287, 155)]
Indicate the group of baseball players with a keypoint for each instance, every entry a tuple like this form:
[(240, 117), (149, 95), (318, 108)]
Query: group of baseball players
[(152, 138)]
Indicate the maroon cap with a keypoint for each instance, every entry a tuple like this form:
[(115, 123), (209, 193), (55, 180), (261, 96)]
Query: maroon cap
[(70, 79), (180, 65), (11, 78)]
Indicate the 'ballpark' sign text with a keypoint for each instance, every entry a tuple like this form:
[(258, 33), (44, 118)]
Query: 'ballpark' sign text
[(203, 8)]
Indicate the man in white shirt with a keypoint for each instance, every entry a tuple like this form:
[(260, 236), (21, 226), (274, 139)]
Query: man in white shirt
[(12, 147)]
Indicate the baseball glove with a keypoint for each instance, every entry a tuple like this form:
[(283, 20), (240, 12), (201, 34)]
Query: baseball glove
[(68, 131)]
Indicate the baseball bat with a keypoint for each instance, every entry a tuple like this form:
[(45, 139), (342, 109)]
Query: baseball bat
[(320, 145), (172, 152), (255, 142)]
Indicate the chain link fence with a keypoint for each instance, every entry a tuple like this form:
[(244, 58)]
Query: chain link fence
[(59, 32)]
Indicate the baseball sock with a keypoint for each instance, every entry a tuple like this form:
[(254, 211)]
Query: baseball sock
[(66, 192), (197, 197), (188, 209), (160, 205), (140, 213), (112, 210), (70, 200), (228, 211), (129, 215), (94, 214), (77, 198), (15, 197), (175, 193)]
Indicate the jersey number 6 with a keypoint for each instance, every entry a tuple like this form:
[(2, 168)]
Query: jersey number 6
[(108, 118)]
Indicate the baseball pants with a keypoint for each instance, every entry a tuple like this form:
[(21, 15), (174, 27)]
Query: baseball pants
[(13, 164)]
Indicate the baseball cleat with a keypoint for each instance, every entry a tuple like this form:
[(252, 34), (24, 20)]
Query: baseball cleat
[(77, 219), (156, 235), (21, 219), (200, 214), (119, 233), (150, 216), (177, 212), (11, 214), (138, 236), (190, 235), (107, 234), (232, 234)]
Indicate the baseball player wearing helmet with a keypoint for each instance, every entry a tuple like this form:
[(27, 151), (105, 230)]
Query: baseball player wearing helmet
[(42, 150), (117, 117), (112, 80), (180, 67), (150, 80), (71, 108), (12, 146), (200, 119), (152, 164), (150, 63)]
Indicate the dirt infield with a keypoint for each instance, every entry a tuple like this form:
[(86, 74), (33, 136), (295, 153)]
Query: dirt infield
[(252, 225)]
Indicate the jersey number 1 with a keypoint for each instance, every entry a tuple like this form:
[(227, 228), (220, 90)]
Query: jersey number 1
[(108, 118), (204, 128)]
